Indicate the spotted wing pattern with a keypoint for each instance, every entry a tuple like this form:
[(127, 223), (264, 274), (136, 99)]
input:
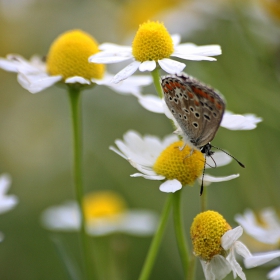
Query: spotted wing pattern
[(197, 108)]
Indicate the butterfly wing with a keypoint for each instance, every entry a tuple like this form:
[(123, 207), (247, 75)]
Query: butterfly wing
[(197, 108)]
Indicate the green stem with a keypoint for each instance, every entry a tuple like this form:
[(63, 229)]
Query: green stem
[(150, 259), (192, 266), (203, 200), (179, 231), (156, 79), (74, 96)]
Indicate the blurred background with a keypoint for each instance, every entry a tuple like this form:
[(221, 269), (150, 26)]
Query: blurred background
[(35, 131)]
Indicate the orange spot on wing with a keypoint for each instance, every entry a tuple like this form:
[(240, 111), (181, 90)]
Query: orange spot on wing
[(219, 106), (169, 86), (190, 95)]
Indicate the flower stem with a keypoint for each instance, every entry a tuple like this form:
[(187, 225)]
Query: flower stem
[(74, 96), (156, 79), (150, 259), (179, 231)]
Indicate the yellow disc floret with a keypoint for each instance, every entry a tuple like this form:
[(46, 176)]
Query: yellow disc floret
[(69, 53), (206, 232), (184, 164), (103, 204), (272, 7), (152, 42)]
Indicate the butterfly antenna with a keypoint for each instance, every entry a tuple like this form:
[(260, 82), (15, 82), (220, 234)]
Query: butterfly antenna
[(201, 187), (240, 163)]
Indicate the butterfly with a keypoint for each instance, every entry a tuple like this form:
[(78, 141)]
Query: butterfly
[(198, 110)]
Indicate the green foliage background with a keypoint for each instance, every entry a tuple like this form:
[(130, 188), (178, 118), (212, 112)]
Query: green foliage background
[(35, 136)]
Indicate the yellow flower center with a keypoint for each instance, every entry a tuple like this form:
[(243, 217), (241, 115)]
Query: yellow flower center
[(206, 232), (103, 204), (69, 53), (272, 7), (152, 42), (174, 163)]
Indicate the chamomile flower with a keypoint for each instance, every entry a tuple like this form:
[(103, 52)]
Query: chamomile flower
[(229, 121), (67, 63), (216, 243), (105, 213), (7, 202), (164, 160), (264, 228), (153, 46)]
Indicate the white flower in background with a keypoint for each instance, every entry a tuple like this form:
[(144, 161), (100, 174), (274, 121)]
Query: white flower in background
[(105, 213), (164, 160), (230, 120), (265, 228), (216, 244), (152, 46), (7, 202), (67, 62)]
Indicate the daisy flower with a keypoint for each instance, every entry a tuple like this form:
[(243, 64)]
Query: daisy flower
[(164, 160), (7, 202), (230, 120), (153, 46), (67, 63), (264, 228), (216, 243), (105, 213)]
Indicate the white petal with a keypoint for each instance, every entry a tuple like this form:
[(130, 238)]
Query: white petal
[(36, 83), (148, 177), (220, 267), (220, 159), (207, 269), (170, 186), (151, 103), (260, 258), (203, 51), (139, 222), (235, 266), (7, 202), (107, 58), (147, 66), (176, 39), (77, 79), (126, 72), (239, 122), (274, 274), (114, 47), (131, 85), (112, 54), (212, 179), (229, 238), (193, 57), (242, 250), (62, 217), (171, 66), (7, 65)]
